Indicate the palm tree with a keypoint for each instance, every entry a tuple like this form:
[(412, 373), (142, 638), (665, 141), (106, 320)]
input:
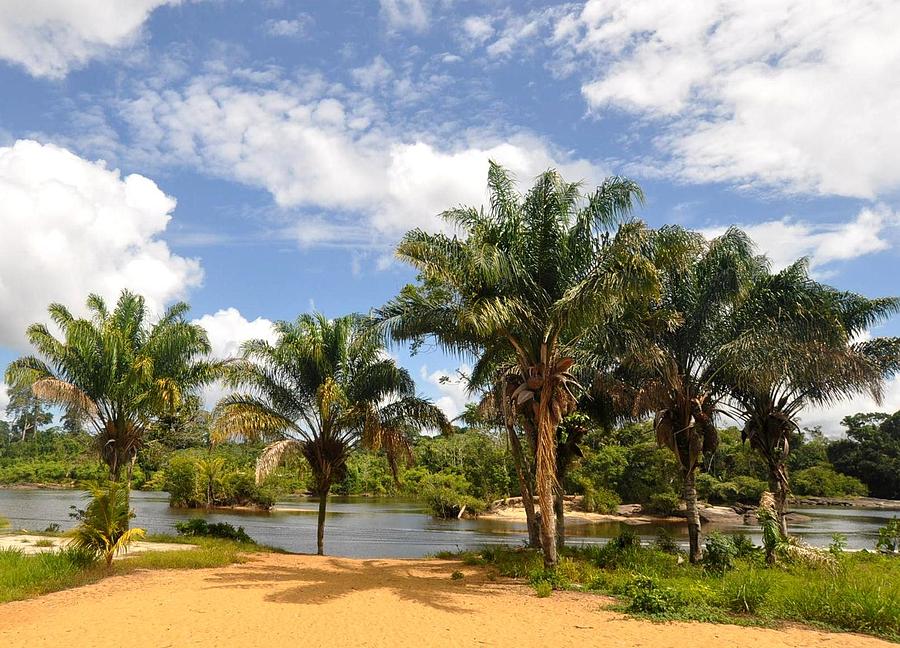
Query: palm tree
[(519, 284), (320, 390), (104, 523), (117, 371), (770, 381)]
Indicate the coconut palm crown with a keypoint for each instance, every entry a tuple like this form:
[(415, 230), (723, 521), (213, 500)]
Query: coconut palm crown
[(116, 370), (321, 389), (518, 284)]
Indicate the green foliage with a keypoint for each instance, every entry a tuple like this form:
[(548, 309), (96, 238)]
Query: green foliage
[(862, 596), (194, 480), (720, 553), (477, 456), (871, 452), (889, 537), (665, 503), (103, 524), (741, 488), (200, 527), (367, 473), (666, 542), (824, 481), (745, 591), (543, 589), (447, 493), (600, 500), (648, 596)]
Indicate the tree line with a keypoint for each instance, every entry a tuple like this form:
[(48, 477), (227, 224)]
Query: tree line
[(576, 316)]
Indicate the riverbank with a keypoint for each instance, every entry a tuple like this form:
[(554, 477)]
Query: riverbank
[(287, 600)]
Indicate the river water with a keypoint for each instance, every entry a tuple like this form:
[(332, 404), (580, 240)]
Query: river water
[(365, 527)]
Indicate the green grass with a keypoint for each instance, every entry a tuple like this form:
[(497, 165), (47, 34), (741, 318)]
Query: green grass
[(860, 594), (26, 576), (3, 522)]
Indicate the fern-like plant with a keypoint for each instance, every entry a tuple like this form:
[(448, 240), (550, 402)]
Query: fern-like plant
[(104, 522)]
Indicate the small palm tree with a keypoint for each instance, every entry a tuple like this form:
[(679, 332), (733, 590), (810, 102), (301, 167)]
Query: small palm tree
[(521, 283), (320, 390), (104, 523), (211, 469), (115, 370)]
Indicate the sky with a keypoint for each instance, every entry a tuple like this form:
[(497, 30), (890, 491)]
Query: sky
[(261, 158)]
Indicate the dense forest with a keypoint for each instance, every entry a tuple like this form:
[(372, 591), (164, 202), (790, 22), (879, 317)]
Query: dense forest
[(469, 464)]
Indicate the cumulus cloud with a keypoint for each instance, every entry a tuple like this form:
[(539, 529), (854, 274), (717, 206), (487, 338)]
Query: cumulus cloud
[(796, 94), (786, 239), (405, 14), (69, 227), (315, 146), (450, 387), (49, 37), (228, 330)]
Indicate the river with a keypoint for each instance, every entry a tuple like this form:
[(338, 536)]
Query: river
[(366, 527)]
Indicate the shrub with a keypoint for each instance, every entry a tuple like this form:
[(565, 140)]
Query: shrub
[(838, 544), (889, 537), (663, 503), (600, 500), (627, 539), (447, 493), (666, 542), (182, 482), (720, 553), (743, 545), (543, 589), (824, 481), (200, 527), (649, 597)]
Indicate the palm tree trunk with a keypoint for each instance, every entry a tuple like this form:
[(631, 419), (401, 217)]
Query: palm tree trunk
[(779, 489), (545, 469), (559, 508), (320, 525), (515, 446), (692, 514)]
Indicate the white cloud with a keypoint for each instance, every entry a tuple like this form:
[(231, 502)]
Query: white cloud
[(227, 330), (316, 146), (405, 14), (69, 227), (4, 400), (49, 37), (830, 417), (785, 240), (795, 94), (289, 27), (452, 394), (377, 73), (477, 29)]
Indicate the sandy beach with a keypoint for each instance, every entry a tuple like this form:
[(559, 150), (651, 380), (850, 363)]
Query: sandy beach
[(289, 600)]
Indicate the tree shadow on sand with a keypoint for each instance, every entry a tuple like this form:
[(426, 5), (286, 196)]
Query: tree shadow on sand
[(426, 583)]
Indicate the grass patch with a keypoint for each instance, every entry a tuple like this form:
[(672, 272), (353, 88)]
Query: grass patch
[(860, 594), (26, 576)]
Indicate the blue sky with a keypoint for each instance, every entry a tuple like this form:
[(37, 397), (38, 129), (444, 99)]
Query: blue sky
[(260, 158)]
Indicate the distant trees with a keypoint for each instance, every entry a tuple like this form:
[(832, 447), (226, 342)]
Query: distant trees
[(871, 452)]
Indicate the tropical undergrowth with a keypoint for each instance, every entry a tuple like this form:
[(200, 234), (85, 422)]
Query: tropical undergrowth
[(858, 592)]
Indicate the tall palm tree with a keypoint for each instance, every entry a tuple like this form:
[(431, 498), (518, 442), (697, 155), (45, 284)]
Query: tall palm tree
[(675, 369), (770, 381), (516, 287), (320, 390), (116, 370)]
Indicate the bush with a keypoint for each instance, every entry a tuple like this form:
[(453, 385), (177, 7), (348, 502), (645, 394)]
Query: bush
[(666, 542), (627, 539), (600, 500), (720, 553), (825, 481), (889, 537), (543, 589), (649, 597), (663, 503), (742, 488), (182, 483), (447, 493), (200, 527)]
